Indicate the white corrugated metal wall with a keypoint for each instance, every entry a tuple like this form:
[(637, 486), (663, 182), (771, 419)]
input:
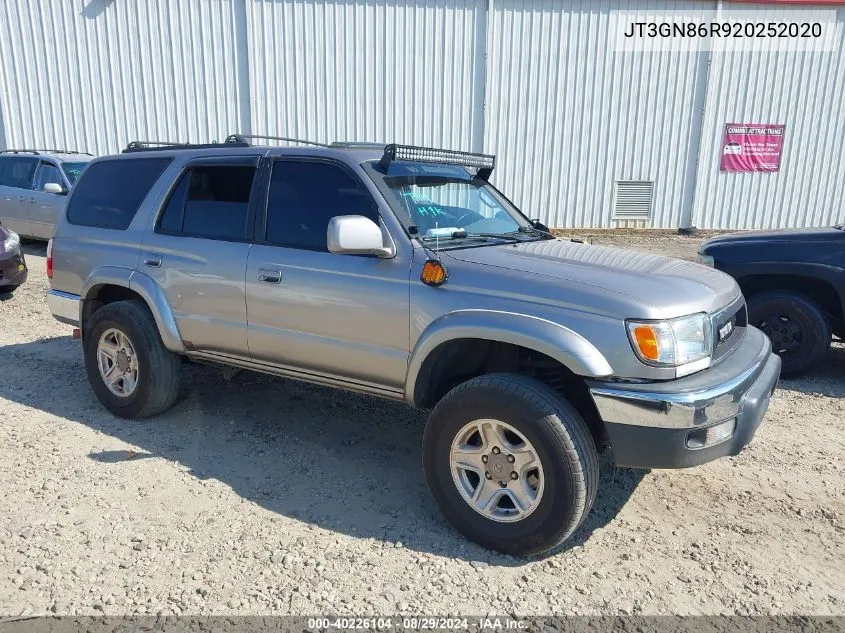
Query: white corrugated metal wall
[(92, 75), (535, 81), (581, 116), (804, 91), (379, 71)]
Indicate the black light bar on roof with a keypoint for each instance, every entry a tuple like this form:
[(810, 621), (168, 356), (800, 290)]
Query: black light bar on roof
[(484, 162)]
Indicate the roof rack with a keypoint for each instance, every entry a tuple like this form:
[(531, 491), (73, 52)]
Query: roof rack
[(149, 144), (157, 146), (244, 138), (38, 152), (411, 153), (358, 145)]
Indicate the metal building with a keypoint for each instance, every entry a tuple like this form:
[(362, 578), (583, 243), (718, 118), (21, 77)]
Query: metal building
[(586, 135)]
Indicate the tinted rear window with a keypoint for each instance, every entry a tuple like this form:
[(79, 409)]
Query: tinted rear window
[(17, 172), (109, 192)]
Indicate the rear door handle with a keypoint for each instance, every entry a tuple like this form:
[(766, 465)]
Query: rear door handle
[(269, 276), (153, 261)]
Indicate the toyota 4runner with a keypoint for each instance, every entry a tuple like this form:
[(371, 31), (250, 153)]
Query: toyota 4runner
[(401, 272)]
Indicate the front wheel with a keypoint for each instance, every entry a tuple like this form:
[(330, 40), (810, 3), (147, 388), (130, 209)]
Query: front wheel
[(510, 463), (797, 327)]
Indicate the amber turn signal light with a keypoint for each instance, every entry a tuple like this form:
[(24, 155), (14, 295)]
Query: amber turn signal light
[(433, 273), (646, 339)]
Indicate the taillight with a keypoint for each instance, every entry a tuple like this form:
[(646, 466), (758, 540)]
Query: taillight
[(50, 259)]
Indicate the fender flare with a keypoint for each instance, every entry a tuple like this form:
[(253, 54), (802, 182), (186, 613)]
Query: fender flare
[(832, 275), (149, 292), (815, 270), (547, 337)]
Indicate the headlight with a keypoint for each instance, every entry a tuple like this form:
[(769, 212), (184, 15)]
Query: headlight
[(12, 242), (707, 260), (671, 343)]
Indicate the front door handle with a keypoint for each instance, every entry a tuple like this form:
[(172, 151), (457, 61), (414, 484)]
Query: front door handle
[(153, 261), (269, 276)]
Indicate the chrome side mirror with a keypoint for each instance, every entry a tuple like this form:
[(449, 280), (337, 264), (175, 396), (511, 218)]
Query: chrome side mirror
[(356, 235), (54, 187)]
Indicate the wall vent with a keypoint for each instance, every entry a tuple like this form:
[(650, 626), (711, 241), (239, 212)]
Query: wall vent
[(632, 199)]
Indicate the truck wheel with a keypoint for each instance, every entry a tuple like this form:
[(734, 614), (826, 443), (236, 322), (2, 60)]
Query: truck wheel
[(798, 329), (510, 463), (128, 367)]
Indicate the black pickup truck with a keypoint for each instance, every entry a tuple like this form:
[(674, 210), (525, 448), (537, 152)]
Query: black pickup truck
[(794, 283)]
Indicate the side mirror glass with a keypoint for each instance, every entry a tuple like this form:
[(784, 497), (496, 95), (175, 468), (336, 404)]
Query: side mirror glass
[(54, 187), (356, 235)]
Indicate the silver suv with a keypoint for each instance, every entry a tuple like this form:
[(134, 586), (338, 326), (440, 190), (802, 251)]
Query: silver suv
[(33, 185), (403, 273)]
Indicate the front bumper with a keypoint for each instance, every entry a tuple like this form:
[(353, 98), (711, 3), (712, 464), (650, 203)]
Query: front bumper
[(64, 306), (652, 425), (13, 269)]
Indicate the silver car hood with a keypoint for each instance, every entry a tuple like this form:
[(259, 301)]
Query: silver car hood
[(663, 287)]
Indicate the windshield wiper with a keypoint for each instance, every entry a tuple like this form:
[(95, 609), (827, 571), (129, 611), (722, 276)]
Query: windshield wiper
[(510, 238), (534, 231), (454, 235), (463, 235)]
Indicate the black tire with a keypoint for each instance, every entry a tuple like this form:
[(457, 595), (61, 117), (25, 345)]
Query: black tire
[(7, 290), (561, 440), (158, 368), (797, 327)]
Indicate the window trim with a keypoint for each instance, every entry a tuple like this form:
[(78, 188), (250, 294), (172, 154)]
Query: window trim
[(263, 211), (215, 161)]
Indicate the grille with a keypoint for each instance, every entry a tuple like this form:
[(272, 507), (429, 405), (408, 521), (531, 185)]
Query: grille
[(737, 316)]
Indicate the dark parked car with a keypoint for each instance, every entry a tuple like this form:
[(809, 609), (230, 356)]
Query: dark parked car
[(12, 263), (794, 283)]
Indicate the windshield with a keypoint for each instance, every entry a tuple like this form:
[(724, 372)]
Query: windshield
[(72, 171), (447, 202)]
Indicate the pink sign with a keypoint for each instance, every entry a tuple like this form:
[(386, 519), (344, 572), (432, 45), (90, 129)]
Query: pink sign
[(752, 147)]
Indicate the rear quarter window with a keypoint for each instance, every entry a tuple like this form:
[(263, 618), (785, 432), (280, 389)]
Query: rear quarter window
[(109, 192), (17, 171)]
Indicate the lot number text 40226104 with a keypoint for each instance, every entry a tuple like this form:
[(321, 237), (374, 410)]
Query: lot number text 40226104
[(416, 623)]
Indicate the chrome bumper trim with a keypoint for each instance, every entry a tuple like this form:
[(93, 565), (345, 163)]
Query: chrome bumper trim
[(64, 306), (712, 395)]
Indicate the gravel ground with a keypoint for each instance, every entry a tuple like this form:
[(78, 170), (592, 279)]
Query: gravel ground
[(261, 495)]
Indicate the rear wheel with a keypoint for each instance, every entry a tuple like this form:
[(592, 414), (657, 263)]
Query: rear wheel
[(510, 463), (128, 367), (796, 326)]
